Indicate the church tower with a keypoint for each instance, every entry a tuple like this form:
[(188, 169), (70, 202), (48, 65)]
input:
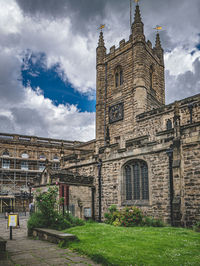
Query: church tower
[(130, 81)]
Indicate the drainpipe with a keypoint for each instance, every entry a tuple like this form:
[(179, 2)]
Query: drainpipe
[(93, 205), (105, 104), (100, 188), (171, 185)]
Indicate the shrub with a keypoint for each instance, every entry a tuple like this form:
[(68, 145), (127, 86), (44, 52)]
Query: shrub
[(75, 221), (130, 216), (37, 220), (47, 215), (150, 221), (196, 227)]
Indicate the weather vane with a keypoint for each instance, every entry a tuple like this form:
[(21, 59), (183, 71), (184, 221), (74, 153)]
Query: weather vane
[(137, 1), (101, 27), (158, 28)]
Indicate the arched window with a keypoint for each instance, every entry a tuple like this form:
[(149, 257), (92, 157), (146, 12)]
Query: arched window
[(136, 183), (169, 124), (121, 77), (55, 157), (25, 155), (151, 77), (6, 153), (118, 76), (116, 79), (42, 157)]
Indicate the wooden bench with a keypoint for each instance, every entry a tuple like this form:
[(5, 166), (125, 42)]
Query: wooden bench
[(51, 235), (2, 245)]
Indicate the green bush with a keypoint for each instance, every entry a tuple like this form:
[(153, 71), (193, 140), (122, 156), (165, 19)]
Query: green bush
[(150, 221), (47, 216), (37, 220), (130, 216), (75, 221)]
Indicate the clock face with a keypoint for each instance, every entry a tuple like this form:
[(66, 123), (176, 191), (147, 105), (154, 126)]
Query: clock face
[(116, 112)]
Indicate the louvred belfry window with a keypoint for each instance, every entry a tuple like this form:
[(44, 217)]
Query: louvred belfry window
[(136, 180)]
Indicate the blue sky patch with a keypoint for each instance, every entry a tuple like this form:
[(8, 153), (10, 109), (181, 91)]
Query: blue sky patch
[(36, 74)]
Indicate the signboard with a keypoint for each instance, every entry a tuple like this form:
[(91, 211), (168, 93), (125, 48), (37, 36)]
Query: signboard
[(13, 220), (87, 212)]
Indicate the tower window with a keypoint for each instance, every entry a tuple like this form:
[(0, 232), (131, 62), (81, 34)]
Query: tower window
[(118, 77), (136, 184), (121, 77), (116, 80), (151, 77)]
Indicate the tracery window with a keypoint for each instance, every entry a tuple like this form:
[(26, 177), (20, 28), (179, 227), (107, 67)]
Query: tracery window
[(136, 181)]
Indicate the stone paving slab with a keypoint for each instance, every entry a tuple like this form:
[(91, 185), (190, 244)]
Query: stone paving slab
[(23, 251)]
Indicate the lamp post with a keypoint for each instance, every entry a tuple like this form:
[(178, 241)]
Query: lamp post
[(30, 187)]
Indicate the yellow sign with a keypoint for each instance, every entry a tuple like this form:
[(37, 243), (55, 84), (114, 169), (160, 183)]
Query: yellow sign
[(137, 1), (13, 220)]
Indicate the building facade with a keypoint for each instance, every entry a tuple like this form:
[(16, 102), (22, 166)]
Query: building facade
[(146, 153), (22, 160)]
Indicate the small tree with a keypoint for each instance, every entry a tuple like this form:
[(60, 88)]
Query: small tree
[(48, 215), (46, 202)]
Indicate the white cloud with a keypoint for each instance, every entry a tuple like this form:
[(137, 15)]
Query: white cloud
[(180, 60), (71, 42)]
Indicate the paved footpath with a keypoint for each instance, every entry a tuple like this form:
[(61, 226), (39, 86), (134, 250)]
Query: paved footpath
[(25, 251)]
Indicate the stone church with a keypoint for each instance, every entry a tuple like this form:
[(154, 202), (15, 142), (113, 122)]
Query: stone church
[(146, 153)]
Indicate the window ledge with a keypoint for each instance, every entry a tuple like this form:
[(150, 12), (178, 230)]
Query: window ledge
[(135, 203)]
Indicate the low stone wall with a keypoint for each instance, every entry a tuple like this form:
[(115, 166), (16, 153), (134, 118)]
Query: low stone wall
[(51, 235)]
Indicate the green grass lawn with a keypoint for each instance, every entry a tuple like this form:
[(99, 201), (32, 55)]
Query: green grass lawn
[(111, 245)]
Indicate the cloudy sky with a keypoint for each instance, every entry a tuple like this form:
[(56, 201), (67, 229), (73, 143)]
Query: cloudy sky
[(47, 59)]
